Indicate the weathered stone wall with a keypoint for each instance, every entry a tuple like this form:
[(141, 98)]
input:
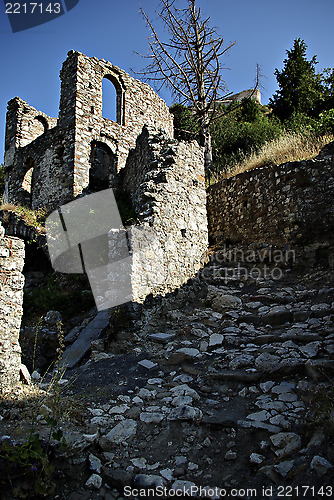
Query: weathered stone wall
[(11, 299), (137, 105), (165, 179), (290, 203), (33, 157), (50, 161)]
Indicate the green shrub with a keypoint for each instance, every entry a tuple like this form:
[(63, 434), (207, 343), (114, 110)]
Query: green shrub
[(300, 123), (325, 122), (185, 124), (233, 138)]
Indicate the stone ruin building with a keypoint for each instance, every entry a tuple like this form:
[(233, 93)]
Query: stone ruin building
[(52, 161)]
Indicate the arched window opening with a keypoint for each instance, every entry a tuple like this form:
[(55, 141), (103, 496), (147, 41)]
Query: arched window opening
[(102, 172), (43, 122), (28, 181), (112, 100), (26, 184), (38, 126)]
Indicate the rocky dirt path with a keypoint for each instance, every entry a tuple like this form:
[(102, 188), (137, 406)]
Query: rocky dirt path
[(222, 388)]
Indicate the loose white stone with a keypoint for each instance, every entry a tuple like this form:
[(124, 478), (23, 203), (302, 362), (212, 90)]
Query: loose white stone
[(119, 409), (189, 351), (187, 487), (266, 386), (139, 462), (267, 362), (241, 361), (231, 455), (148, 364), (167, 474), (287, 442), (182, 400), (284, 468), (184, 390), (162, 338), (216, 339), (185, 413), (122, 431), (151, 417), (148, 480), (155, 381), (283, 388), (137, 400), (94, 482), (255, 458), (95, 463), (310, 350), (320, 465), (260, 416)]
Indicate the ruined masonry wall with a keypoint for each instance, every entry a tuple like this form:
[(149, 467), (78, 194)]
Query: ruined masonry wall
[(34, 145), (11, 299), (61, 150), (291, 203), (137, 105), (166, 182)]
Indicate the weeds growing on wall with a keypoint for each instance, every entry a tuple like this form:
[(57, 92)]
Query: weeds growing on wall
[(35, 218)]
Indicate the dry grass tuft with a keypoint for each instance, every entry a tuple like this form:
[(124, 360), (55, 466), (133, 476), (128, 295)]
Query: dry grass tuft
[(288, 147)]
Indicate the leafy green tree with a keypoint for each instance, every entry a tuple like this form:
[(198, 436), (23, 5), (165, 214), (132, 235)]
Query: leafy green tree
[(241, 132), (301, 88), (250, 111), (186, 125), (328, 84)]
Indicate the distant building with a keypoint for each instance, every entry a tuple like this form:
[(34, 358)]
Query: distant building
[(253, 94)]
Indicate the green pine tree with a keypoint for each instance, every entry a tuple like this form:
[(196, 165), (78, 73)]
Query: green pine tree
[(300, 86)]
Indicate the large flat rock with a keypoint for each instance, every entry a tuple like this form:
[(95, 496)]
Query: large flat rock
[(78, 350)]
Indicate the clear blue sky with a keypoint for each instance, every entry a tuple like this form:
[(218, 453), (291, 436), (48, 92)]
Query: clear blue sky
[(114, 29)]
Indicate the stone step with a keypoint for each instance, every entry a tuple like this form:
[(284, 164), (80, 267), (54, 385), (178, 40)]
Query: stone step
[(80, 348)]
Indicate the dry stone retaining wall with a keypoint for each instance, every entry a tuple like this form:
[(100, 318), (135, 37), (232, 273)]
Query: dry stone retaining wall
[(286, 204)]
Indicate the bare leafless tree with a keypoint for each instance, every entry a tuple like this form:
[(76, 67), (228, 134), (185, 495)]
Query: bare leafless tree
[(189, 64)]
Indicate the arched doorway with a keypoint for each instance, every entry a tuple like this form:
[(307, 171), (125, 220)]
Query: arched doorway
[(103, 169)]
